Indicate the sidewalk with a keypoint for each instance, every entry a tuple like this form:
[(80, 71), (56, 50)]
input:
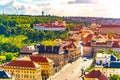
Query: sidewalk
[(67, 72)]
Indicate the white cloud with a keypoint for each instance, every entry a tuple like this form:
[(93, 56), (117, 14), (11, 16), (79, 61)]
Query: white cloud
[(82, 1), (4, 2), (105, 8)]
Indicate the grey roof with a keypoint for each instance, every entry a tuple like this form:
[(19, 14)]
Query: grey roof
[(113, 58), (4, 74), (113, 64), (48, 49)]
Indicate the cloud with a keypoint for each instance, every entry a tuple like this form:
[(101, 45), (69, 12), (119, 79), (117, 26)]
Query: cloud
[(63, 7), (5, 2), (81, 1)]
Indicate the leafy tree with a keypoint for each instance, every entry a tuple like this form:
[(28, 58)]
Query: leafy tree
[(111, 34), (110, 51), (12, 23), (9, 57), (31, 25), (101, 51), (115, 77), (2, 29)]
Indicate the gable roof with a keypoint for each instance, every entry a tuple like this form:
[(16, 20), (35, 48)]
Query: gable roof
[(38, 59), (93, 74), (22, 63), (71, 46), (96, 74), (4, 74)]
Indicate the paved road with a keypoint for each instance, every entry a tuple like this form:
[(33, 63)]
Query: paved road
[(71, 71)]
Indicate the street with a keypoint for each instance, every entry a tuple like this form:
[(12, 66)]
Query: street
[(72, 71)]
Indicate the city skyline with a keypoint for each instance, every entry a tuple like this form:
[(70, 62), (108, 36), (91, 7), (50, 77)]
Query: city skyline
[(92, 8)]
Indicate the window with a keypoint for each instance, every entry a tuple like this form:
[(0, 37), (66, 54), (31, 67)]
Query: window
[(33, 76)]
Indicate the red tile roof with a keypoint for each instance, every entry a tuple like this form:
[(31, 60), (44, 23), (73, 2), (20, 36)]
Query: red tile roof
[(21, 63), (51, 25), (88, 44), (38, 59), (102, 77), (70, 46), (116, 45), (110, 26), (88, 38), (96, 74), (54, 26), (116, 37)]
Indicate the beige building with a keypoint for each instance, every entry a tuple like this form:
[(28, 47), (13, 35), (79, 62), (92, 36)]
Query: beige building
[(55, 53), (28, 50), (73, 49)]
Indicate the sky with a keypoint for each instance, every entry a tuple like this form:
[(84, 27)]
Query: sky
[(91, 8)]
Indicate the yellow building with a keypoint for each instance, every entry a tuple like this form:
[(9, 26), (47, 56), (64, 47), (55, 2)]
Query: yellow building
[(23, 70), (46, 64)]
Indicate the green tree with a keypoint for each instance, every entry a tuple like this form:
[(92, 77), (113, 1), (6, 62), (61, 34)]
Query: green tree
[(111, 34), (110, 51), (2, 29), (101, 51), (31, 25), (9, 57), (12, 23), (115, 77)]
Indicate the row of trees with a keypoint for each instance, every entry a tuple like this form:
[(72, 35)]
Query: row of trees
[(6, 57), (110, 51)]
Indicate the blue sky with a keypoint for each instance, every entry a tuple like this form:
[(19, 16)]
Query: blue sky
[(100, 8)]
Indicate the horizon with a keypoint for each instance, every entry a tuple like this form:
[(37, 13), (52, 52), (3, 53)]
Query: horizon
[(69, 8), (58, 16)]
